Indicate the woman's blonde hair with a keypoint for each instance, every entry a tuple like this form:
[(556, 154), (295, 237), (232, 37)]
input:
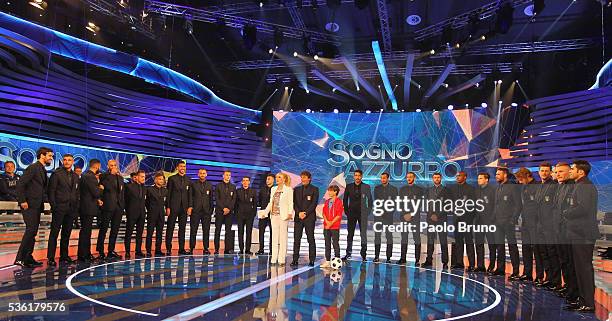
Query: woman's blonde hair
[(286, 178)]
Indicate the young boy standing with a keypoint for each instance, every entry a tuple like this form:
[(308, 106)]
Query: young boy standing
[(332, 214)]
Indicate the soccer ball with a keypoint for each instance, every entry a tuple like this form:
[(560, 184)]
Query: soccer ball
[(336, 263), (336, 276)]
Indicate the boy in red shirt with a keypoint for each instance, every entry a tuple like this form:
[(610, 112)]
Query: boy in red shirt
[(332, 214)]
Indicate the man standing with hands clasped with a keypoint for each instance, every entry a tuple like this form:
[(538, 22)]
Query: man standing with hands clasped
[(246, 208), (225, 194), (305, 199)]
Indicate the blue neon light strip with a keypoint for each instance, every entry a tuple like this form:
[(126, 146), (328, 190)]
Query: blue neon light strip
[(188, 161), (383, 73), (71, 47)]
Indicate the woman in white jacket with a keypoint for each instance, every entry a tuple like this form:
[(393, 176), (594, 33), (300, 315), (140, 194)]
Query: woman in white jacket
[(280, 210)]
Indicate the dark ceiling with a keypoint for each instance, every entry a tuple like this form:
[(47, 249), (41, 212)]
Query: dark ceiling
[(210, 52)]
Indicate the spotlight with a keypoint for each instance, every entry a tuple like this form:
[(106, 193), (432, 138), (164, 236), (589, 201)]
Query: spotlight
[(286, 88), (295, 54), (92, 27), (445, 85), (334, 90), (484, 105), (316, 57), (483, 37), (451, 107), (367, 111), (261, 4), (432, 52), (307, 91), (351, 110), (477, 85), (308, 111), (499, 81), (39, 4), (516, 81), (514, 104), (457, 45), (418, 110), (122, 3), (271, 51), (189, 26), (358, 89), (335, 111)]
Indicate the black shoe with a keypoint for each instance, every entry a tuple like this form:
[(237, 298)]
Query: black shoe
[(388, 260), (294, 263), (183, 252), (35, 263), (206, 252), (490, 269), (498, 273), (216, 252), (346, 257), (311, 263), (248, 253), (229, 252), (471, 269), (128, 256), (401, 262), (426, 264), (457, 266), (160, 253), (364, 259), (23, 264), (585, 309), (513, 277), (260, 252), (139, 255), (480, 270), (525, 278), (445, 266), (101, 257), (113, 255), (67, 260), (51, 262), (376, 260), (149, 254)]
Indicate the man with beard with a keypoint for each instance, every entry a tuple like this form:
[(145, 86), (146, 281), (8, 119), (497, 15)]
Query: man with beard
[(437, 216), (64, 199), (112, 210), (177, 207), (382, 192), (31, 195), (90, 201), (411, 191), (529, 228), (357, 205), (8, 182), (135, 194), (548, 227), (201, 212), (463, 191)]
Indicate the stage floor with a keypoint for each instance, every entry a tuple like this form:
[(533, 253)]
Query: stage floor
[(228, 287)]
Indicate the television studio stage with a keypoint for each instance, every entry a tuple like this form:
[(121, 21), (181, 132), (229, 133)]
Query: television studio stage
[(305, 160)]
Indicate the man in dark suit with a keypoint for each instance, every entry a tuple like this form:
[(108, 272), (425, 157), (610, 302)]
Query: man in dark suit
[(202, 209), (63, 193), (31, 195), (548, 227), (8, 182), (437, 216), (225, 196), (529, 226), (411, 191), (486, 193), (263, 200), (507, 211), (357, 203), (582, 231), (112, 210), (135, 199), (246, 208), (463, 191), (90, 201), (177, 206), (305, 200), (382, 192), (156, 213)]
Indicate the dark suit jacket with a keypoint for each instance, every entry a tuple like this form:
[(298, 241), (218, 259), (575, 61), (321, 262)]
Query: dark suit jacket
[(225, 195), (264, 198), (305, 199), (357, 201), (414, 192), (32, 186), (246, 202), (179, 193), (465, 192), (487, 195), (90, 194), (8, 187), (113, 196), (547, 192), (437, 192), (202, 197), (581, 215), (530, 205), (135, 195), (384, 193), (63, 195), (155, 202), (507, 203)]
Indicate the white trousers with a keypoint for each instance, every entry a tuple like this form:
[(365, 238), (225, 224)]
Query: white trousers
[(279, 239)]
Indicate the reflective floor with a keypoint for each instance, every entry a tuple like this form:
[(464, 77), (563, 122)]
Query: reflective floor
[(248, 288)]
